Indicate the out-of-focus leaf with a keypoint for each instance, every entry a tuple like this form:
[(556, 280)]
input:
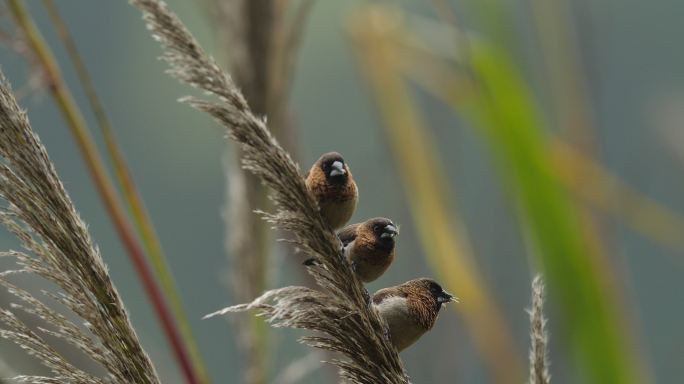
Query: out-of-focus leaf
[(442, 233), (584, 177), (499, 103), (597, 186), (505, 111)]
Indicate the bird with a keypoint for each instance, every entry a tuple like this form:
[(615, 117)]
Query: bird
[(410, 309), (369, 246), (331, 184)]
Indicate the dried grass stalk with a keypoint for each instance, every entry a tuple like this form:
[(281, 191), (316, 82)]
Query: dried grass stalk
[(539, 365), (248, 239), (40, 213), (341, 312)]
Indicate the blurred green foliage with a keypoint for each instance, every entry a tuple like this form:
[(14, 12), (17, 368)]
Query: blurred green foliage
[(505, 109), (635, 83)]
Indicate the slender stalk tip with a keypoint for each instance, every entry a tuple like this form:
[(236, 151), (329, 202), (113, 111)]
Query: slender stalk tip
[(539, 337)]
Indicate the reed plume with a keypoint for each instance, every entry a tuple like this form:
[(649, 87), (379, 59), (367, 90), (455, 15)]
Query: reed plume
[(60, 250), (539, 338), (340, 311)]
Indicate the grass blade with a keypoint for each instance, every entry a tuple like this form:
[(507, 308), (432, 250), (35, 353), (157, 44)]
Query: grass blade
[(497, 100), (103, 184), (442, 234), (505, 111), (136, 207)]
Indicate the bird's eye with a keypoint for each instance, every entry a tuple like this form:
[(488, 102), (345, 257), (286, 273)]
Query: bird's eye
[(376, 228)]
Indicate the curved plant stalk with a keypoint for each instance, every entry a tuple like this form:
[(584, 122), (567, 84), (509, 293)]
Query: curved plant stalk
[(136, 207), (442, 234), (103, 184), (339, 312)]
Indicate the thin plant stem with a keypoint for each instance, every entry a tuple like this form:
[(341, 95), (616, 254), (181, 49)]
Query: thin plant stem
[(85, 143), (136, 207), (539, 337)]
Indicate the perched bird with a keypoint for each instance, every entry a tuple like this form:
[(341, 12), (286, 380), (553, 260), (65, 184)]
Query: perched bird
[(410, 309), (331, 183), (369, 246)]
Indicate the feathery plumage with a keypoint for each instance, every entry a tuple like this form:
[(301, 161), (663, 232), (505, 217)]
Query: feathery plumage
[(410, 309), (331, 183), (369, 247)]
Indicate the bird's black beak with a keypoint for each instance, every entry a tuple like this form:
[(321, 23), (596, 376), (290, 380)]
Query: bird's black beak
[(389, 232), (337, 169), (445, 297)]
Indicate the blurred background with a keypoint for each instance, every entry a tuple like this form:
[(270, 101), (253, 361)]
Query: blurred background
[(506, 138)]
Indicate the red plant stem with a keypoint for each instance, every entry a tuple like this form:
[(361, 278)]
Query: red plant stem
[(156, 298), (103, 185)]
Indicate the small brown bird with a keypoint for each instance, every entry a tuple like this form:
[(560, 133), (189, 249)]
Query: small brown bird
[(410, 309), (369, 246), (331, 183)]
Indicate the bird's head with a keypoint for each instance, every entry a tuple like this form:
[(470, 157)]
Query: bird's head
[(383, 230), (430, 291), (334, 168)]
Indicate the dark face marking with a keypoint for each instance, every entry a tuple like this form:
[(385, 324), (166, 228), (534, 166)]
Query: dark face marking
[(333, 167), (384, 230), (438, 293), (435, 289)]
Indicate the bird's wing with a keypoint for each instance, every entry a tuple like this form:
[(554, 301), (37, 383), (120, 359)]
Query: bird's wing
[(347, 234), (386, 293)]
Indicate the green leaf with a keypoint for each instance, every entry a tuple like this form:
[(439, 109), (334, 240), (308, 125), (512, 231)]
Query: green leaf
[(505, 110)]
